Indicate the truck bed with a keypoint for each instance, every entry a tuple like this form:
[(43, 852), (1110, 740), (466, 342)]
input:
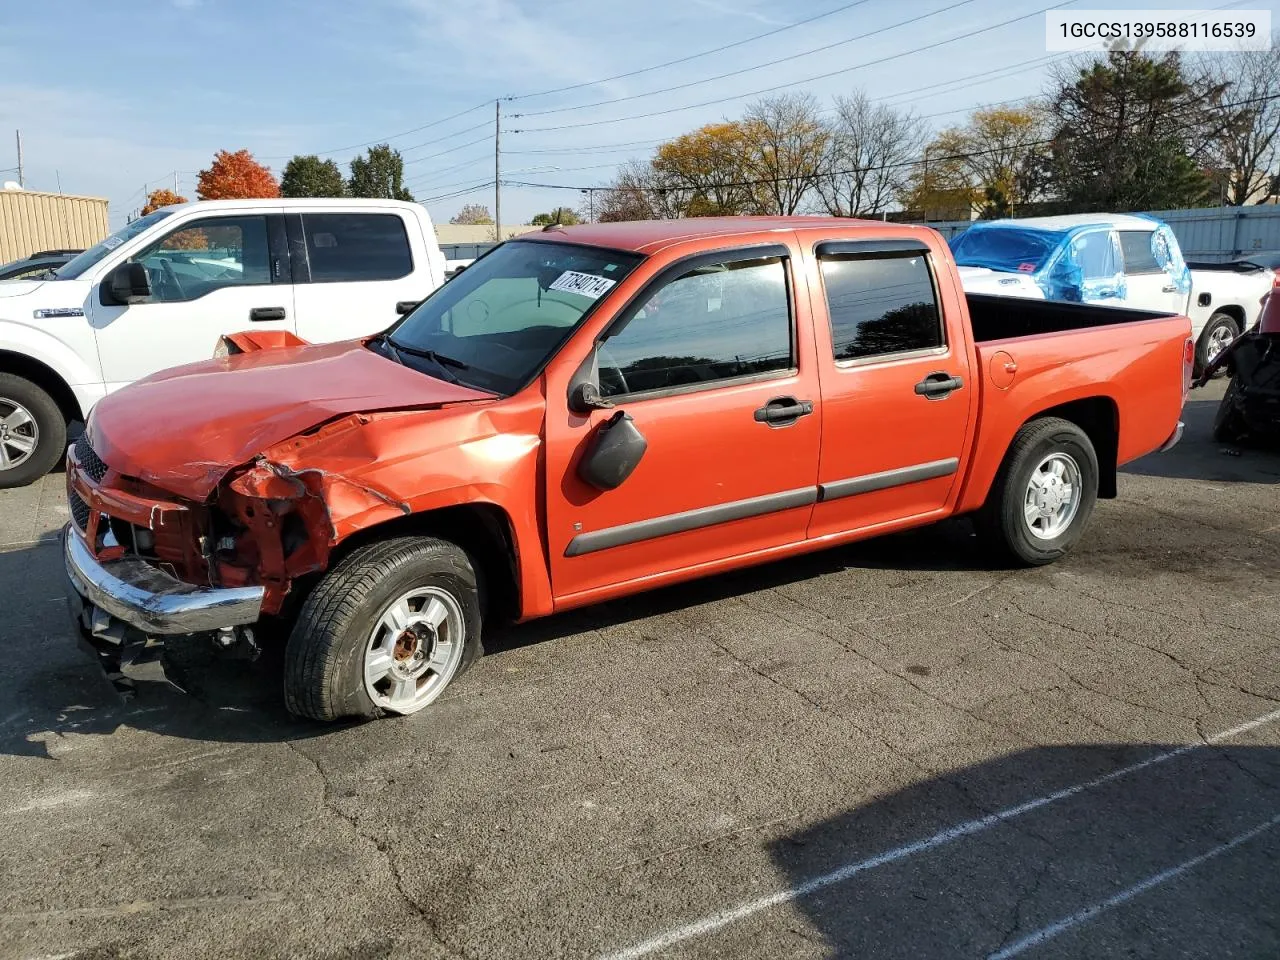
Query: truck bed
[(1003, 318)]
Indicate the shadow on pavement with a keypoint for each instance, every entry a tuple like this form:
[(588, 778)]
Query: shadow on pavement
[(1198, 457), (988, 888)]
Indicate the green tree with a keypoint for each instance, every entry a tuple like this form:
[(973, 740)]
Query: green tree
[(310, 176), (379, 173), (1131, 132), (473, 214), (561, 215)]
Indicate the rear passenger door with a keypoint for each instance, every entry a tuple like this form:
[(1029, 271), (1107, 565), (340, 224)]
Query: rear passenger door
[(896, 387), (1149, 287), (350, 270)]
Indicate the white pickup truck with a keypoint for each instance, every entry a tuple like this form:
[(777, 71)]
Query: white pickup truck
[(162, 290), (1120, 259)]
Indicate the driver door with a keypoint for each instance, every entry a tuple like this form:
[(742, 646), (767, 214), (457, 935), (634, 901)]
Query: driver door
[(209, 276)]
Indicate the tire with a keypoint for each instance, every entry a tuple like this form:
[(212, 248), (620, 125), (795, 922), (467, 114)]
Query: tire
[(28, 413), (1002, 522), (1220, 325), (1228, 426), (342, 629)]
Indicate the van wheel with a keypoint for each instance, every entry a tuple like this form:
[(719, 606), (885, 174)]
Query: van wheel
[(385, 631), (33, 432), (1217, 333), (1044, 494)]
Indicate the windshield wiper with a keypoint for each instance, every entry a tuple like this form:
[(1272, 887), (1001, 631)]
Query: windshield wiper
[(440, 360)]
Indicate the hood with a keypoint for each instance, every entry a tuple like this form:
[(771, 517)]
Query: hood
[(183, 429), (18, 288)]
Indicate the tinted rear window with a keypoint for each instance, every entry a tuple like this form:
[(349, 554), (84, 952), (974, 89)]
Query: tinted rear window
[(356, 246), (881, 305)]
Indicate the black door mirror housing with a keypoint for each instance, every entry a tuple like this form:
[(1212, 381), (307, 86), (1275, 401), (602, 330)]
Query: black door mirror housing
[(127, 283), (585, 397)]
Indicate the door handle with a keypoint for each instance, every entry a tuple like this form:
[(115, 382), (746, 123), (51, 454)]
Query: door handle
[(1169, 289), (936, 386), (259, 314), (782, 411)]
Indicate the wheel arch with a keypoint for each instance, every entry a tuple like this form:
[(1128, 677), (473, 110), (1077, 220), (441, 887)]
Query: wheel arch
[(482, 528), (1099, 418), (44, 377)]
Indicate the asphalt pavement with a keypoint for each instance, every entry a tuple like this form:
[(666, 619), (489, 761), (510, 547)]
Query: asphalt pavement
[(886, 750)]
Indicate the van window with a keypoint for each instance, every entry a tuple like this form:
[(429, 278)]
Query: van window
[(356, 247), (881, 305)]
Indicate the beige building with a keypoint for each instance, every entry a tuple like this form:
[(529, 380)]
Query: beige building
[(31, 221), (477, 232)]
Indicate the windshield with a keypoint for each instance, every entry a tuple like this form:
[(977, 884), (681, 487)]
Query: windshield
[(73, 268), (494, 325), (1008, 249)]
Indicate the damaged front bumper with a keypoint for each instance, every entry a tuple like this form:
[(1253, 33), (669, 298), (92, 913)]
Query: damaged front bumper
[(123, 608)]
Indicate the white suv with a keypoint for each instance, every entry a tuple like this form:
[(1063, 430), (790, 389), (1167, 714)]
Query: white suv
[(163, 289)]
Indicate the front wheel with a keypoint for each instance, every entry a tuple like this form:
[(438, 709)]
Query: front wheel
[(33, 432), (385, 631), (1043, 495)]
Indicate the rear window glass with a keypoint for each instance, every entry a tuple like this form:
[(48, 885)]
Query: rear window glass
[(1138, 257), (356, 246), (881, 305)]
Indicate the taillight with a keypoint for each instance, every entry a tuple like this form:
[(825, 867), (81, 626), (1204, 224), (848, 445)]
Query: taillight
[(1188, 367), (1275, 279)]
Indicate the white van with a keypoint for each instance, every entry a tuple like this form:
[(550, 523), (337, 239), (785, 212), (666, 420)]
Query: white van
[(160, 292)]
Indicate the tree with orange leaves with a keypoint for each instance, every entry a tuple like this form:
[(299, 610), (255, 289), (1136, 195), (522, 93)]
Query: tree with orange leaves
[(236, 176), (161, 198)]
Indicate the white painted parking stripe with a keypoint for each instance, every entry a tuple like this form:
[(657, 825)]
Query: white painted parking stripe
[(742, 911), (1088, 913)]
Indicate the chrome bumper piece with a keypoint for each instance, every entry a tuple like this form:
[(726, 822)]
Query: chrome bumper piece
[(148, 599), (1173, 438)]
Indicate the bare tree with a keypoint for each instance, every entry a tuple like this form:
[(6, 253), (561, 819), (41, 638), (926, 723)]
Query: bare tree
[(787, 142), (869, 147), (1249, 144)]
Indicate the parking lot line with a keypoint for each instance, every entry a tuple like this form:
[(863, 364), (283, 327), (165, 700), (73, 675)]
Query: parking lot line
[(970, 827), (1088, 913)]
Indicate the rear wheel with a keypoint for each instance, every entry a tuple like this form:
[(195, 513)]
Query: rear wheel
[(385, 631), (1214, 338), (1043, 495), (33, 432)]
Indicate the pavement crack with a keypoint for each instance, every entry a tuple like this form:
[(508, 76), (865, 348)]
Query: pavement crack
[(379, 846)]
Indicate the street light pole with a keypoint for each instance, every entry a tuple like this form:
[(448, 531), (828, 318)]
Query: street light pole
[(497, 171)]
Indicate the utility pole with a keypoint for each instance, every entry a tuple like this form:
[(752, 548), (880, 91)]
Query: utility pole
[(21, 181), (497, 171), (591, 204), (175, 181)]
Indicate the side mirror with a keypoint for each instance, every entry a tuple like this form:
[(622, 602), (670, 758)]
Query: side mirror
[(127, 283), (585, 397), (406, 306)]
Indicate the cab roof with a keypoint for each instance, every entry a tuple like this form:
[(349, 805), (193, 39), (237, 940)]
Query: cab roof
[(649, 236)]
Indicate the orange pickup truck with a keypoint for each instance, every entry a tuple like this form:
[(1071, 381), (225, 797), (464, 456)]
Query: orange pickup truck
[(584, 413)]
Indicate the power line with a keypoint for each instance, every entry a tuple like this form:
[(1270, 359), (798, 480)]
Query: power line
[(458, 193), (379, 140), (692, 56), (758, 66), (838, 173), (794, 83), (442, 153)]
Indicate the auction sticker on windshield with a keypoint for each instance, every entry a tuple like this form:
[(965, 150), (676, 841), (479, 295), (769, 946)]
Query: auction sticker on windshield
[(585, 284)]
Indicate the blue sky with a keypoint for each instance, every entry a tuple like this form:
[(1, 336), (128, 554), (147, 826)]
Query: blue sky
[(112, 96)]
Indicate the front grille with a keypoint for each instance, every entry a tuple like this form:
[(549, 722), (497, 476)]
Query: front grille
[(79, 511), (90, 462)]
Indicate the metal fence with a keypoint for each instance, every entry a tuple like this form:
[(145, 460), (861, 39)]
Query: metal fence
[(1213, 234)]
